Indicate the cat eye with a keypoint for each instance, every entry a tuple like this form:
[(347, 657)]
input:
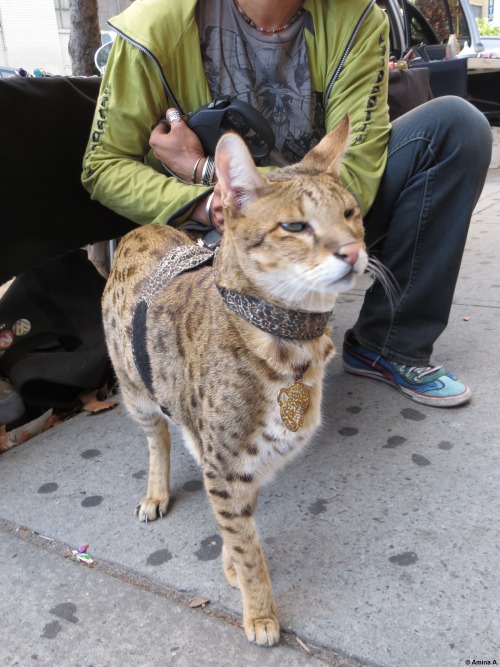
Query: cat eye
[(294, 226), (348, 213)]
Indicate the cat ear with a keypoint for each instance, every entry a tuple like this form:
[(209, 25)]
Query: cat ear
[(327, 155), (237, 175)]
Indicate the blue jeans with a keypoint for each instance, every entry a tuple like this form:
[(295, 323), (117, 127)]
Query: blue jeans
[(438, 158)]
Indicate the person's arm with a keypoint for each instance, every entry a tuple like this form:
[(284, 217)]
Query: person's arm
[(115, 173), (179, 149)]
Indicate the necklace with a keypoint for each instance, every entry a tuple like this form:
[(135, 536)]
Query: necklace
[(273, 31)]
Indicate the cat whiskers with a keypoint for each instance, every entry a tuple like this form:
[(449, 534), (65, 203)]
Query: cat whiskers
[(293, 291), (379, 272), (346, 187)]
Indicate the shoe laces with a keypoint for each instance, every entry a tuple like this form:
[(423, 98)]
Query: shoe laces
[(416, 372)]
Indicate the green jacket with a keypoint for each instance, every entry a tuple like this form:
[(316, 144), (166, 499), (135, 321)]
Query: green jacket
[(157, 50)]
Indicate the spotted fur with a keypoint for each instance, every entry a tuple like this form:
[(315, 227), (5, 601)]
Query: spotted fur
[(216, 375)]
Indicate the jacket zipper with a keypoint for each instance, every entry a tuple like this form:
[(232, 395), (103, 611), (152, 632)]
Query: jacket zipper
[(176, 104), (348, 50), (166, 87)]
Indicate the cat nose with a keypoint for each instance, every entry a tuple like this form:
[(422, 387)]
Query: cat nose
[(349, 253)]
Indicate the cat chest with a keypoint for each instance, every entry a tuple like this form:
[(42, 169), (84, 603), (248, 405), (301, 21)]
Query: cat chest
[(291, 415), (245, 430), (270, 447)]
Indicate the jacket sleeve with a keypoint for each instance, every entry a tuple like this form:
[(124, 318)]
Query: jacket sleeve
[(118, 169), (361, 91)]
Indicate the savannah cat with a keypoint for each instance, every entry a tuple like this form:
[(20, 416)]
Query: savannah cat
[(234, 351)]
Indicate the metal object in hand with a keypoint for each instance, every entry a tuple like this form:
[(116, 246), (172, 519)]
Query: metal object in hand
[(174, 116)]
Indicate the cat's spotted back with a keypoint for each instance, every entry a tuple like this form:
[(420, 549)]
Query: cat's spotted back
[(235, 353)]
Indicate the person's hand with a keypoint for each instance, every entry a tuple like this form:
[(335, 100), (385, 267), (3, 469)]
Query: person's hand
[(200, 213), (177, 147), (216, 210)]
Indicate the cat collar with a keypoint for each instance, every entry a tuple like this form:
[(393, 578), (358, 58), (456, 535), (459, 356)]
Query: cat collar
[(275, 320)]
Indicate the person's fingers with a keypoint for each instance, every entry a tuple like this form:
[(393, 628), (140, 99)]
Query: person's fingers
[(162, 126), (176, 145), (184, 135), (161, 129)]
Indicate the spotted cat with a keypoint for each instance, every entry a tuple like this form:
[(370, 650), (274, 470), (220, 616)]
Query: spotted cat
[(232, 346)]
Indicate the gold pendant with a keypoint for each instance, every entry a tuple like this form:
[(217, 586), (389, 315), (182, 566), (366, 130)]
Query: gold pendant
[(294, 404)]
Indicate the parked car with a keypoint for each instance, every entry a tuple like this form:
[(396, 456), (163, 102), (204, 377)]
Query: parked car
[(490, 43), (102, 54), (6, 72), (428, 25), (425, 26)]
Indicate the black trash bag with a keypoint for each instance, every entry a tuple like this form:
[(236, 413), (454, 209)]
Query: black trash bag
[(51, 332)]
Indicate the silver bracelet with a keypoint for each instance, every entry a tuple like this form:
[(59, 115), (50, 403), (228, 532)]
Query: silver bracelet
[(208, 171), (208, 213), (193, 175)]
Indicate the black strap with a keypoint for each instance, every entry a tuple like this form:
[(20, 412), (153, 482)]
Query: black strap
[(179, 260)]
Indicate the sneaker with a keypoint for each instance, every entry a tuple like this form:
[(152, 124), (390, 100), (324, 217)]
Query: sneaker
[(432, 385), (11, 404)]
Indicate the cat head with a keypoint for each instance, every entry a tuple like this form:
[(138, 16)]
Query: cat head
[(297, 232)]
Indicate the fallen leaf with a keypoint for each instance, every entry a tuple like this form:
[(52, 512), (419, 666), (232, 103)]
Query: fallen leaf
[(4, 439), (100, 406), (23, 436), (32, 428), (93, 404), (466, 318), (27, 431), (199, 602)]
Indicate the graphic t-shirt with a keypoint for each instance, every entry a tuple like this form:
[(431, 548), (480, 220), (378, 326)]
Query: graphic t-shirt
[(269, 72)]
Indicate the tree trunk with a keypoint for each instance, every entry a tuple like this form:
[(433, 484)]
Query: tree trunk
[(84, 37)]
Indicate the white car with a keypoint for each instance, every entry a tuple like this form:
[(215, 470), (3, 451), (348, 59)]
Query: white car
[(6, 72), (490, 43)]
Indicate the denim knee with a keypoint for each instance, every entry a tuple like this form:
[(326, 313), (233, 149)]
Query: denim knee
[(465, 130)]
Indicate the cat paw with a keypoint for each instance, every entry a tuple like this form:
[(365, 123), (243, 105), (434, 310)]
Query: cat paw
[(150, 509), (263, 631)]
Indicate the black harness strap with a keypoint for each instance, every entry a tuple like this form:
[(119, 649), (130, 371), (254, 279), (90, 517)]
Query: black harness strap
[(179, 260)]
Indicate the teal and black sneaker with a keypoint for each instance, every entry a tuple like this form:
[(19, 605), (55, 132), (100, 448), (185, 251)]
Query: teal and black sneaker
[(432, 385)]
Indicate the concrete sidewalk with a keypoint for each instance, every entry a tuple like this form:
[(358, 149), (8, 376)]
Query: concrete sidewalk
[(382, 539)]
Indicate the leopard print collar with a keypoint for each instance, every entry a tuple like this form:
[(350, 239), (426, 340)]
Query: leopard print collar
[(278, 321)]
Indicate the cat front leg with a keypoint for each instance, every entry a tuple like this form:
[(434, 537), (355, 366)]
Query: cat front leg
[(243, 559), (155, 503), (228, 565), (149, 416)]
